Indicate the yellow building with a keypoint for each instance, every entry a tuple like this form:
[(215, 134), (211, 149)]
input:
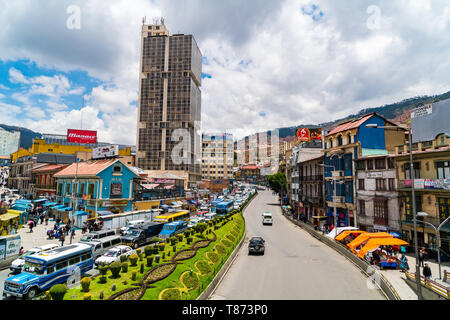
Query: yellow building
[(431, 161), (20, 153), (40, 146)]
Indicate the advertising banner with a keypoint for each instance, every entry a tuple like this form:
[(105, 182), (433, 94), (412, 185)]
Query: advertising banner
[(12, 247), (81, 136), (105, 152), (120, 203), (2, 249)]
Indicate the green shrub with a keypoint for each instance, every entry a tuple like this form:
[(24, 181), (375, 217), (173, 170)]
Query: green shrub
[(114, 287), (189, 240), (102, 279), (148, 250), (230, 237), (180, 237), (155, 240), (171, 294), (187, 233), (204, 267), (142, 268), (101, 296), (163, 256), (123, 258), (138, 251), (141, 257), (174, 248), (214, 257), (58, 291), (124, 267), (227, 243), (173, 241), (87, 296), (103, 269), (162, 246), (149, 261), (115, 269), (133, 260), (85, 283), (133, 275)]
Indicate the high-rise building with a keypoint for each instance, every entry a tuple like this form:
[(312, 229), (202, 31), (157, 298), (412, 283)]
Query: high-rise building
[(217, 156), (9, 141), (169, 110)]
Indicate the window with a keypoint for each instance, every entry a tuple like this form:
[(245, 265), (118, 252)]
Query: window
[(409, 207), (60, 264), (443, 169), (349, 139), (86, 256), (50, 269), (117, 169), (369, 164), (67, 188), (339, 140), (380, 211), (74, 260), (91, 190), (444, 208), (361, 165), (391, 184), (362, 207), (390, 163), (406, 168), (380, 184), (116, 190), (380, 164), (361, 184)]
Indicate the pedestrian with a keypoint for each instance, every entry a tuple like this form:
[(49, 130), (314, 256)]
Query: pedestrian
[(421, 257), (41, 216), (427, 271), (31, 226), (21, 250), (404, 263), (46, 219), (72, 235), (62, 237)]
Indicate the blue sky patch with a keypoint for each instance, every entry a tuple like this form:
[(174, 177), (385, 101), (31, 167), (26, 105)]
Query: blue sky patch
[(313, 11)]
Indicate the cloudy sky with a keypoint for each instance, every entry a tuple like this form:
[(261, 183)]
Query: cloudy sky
[(266, 63)]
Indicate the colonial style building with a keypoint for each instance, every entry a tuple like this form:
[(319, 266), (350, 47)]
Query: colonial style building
[(345, 143), (377, 197), (431, 164)]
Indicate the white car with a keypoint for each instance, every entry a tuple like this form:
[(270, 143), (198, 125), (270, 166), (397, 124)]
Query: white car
[(193, 221), (113, 255), (267, 218), (16, 265)]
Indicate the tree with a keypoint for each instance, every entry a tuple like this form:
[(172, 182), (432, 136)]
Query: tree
[(277, 182)]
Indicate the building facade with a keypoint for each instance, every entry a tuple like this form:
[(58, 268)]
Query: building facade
[(9, 141), (44, 181), (217, 156), (98, 185), (345, 143), (431, 165), (169, 103), (376, 194), (311, 189)]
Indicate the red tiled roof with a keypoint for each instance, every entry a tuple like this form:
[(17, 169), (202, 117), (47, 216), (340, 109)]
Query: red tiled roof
[(88, 168), (50, 167), (250, 167), (350, 124)]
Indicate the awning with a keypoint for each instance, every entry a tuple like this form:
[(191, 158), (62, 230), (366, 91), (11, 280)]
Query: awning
[(20, 207), (49, 204), (365, 237), (39, 200), (57, 207), (64, 209), (8, 216), (169, 187), (80, 213), (346, 233), (104, 213), (150, 186), (16, 212), (375, 243)]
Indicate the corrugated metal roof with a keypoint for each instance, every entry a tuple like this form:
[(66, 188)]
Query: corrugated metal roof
[(50, 167), (350, 124), (88, 168)]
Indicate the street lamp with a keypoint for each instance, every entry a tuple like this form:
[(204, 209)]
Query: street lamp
[(334, 193), (413, 195), (438, 236)]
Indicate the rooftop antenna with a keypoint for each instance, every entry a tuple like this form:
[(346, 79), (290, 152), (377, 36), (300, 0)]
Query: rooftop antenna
[(144, 19), (162, 21)]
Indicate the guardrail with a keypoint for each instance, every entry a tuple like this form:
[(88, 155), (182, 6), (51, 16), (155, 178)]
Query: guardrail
[(431, 285), (383, 283)]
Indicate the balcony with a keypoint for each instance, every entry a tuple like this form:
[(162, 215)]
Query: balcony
[(312, 178)]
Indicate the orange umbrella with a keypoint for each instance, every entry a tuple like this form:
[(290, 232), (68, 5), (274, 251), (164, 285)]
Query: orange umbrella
[(362, 238)]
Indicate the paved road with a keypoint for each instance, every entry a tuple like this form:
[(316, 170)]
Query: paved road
[(296, 266)]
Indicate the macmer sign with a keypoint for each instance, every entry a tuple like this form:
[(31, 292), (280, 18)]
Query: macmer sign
[(81, 136)]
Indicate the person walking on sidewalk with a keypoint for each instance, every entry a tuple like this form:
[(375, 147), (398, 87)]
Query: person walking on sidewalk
[(72, 234), (427, 271), (421, 257), (62, 237)]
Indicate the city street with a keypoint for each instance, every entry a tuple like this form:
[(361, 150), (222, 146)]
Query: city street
[(294, 266)]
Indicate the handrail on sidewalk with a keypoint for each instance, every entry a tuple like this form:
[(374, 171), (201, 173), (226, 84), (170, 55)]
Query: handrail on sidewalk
[(430, 284)]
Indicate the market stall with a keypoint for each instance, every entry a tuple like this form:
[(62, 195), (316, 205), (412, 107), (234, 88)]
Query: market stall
[(364, 237), (378, 245), (9, 223), (349, 235)]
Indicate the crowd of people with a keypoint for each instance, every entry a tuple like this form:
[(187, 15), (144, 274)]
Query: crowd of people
[(60, 232)]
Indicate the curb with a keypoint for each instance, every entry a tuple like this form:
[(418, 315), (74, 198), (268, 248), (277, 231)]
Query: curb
[(226, 266)]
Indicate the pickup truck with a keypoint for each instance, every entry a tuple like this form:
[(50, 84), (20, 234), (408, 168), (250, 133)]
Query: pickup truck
[(138, 236)]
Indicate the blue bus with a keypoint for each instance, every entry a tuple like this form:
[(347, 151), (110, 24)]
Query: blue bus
[(225, 207), (172, 228), (214, 204), (45, 269)]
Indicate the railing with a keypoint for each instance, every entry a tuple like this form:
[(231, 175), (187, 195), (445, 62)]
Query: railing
[(431, 285)]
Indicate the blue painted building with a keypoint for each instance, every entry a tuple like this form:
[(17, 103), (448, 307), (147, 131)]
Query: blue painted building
[(345, 143), (98, 185)]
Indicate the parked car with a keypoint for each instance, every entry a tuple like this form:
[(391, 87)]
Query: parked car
[(97, 235), (113, 255), (256, 245), (130, 224), (267, 218), (17, 265), (143, 234), (193, 221), (101, 246)]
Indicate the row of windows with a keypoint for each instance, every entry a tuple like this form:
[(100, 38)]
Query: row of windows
[(65, 262), (380, 184), (376, 164)]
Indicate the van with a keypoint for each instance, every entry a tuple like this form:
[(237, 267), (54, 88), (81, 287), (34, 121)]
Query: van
[(267, 218), (209, 216), (16, 265), (97, 235), (100, 246)]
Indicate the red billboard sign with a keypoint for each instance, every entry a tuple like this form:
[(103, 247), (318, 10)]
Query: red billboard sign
[(81, 136)]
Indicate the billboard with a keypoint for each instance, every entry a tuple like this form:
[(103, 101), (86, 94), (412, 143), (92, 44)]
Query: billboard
[(105, 152), (81, 136), (308, 135), (430, 120)]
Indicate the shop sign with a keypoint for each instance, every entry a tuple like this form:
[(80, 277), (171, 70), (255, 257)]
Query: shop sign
[(81, 136), (374, 175), (120, 203), (422, 111), (419, 183), (12, 247)]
